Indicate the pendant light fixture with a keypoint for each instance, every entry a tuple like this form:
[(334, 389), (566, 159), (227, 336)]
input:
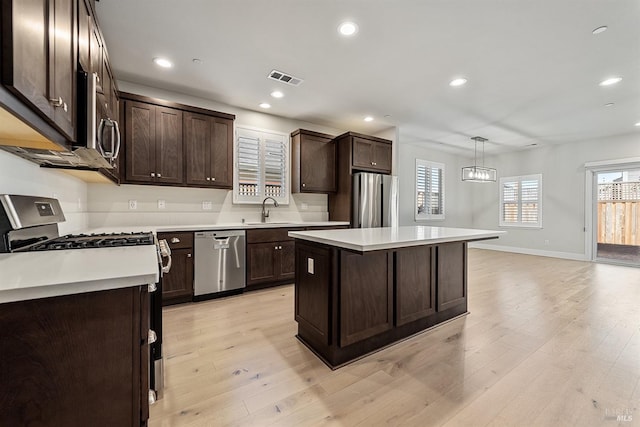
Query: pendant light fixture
[(477, 173)]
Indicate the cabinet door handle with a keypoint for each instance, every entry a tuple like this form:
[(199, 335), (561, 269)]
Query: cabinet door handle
[(153, 175), (188, 255), (175, 240), (152, 336), (57, 102), (304, 185), (159, 175), (208, 179), (213, 178), (374, 164)]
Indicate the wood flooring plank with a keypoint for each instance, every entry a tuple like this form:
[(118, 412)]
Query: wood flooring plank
[(547, 342)]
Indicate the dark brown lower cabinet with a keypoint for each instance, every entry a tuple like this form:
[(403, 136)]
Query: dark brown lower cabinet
[(177, 284), (349, 304), (76, 360)]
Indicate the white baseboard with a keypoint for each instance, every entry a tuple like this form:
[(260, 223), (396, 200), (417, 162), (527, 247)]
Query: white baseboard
[(528, 251)]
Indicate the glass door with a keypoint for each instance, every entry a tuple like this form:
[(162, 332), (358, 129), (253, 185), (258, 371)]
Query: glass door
[(617, 214)]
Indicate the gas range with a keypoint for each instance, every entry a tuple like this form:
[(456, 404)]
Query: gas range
[(86, 241), (30, 223)]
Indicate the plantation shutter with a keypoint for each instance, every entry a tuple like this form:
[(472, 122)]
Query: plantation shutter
[(248, 164), (429, 190), (262, 166), (521, 201), (275, 166)]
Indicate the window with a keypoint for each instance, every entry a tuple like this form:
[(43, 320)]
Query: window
[(261, 166), (521, 201), (429, 190)]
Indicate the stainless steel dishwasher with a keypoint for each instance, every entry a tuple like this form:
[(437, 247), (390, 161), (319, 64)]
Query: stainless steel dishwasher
[(219, 263)]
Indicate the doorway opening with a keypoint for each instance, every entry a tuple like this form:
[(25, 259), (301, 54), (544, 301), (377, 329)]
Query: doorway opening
[(618, 216)]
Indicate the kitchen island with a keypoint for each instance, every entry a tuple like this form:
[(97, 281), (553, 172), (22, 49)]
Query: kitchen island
[(359, 290)]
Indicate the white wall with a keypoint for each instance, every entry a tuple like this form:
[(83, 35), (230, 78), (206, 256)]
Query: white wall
[(458, 210), (19, 176), (109, 207), (563, 177), (108, 204)]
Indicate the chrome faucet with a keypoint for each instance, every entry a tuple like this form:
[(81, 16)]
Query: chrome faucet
[(265, 213)]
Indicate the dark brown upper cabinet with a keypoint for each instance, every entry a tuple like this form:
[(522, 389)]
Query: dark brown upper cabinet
[(153, 144), (39, 58), (371, 154), (208, 145), (175, 144), (356, 153), (313, 160)]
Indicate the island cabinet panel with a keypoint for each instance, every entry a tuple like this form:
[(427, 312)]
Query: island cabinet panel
[(415, 284), (366, 295), (312, 296), (76, 360), (452, 275)]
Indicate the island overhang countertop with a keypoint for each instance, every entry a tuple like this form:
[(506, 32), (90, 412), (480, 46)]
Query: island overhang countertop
[(373, 239)]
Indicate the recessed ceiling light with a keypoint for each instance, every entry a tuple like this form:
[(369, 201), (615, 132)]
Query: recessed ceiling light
[(599, 30), (458, 82), (163, 62), (610, 104), (368, 119), (348, 28), (265, 105), (277, 94), (610, 81)]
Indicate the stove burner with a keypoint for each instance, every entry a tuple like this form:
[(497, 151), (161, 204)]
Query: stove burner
[(103, 240)]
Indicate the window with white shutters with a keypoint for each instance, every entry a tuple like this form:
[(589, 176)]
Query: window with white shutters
[(521, 201), (261, 168), (429, 190)]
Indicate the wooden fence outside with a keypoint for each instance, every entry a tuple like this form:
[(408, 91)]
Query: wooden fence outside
[(619, 213)]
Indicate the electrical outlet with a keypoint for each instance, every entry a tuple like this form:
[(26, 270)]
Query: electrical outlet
[(304, 206), (546, 242), (207, 205), (133, 204), (162, 204)]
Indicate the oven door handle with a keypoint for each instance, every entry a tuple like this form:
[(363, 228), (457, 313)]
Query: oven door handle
[(165, 252)]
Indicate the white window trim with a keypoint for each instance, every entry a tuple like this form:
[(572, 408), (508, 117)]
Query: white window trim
[(237, 199), (520, 224), (428, 216)]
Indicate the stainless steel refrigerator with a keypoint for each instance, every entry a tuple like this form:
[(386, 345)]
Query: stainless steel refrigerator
[(375, 200)]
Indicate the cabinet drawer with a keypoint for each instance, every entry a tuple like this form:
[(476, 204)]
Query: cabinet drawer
[(270, 234), (177, 240)]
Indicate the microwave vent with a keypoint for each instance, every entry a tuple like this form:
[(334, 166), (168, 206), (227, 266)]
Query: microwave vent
[(285, 78)]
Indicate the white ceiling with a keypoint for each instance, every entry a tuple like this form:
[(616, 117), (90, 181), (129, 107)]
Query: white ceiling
[(533, 67)]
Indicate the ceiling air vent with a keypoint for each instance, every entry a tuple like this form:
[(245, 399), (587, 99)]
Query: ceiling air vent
[(284, 78)]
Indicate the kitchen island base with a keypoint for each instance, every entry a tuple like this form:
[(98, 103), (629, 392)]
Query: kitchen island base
[(349, 303)]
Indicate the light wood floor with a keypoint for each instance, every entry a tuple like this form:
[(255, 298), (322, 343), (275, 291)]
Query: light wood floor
[(548, 342)]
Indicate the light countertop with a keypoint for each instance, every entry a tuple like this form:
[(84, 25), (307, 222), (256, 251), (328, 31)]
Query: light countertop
[(42, 274), (372, 239)]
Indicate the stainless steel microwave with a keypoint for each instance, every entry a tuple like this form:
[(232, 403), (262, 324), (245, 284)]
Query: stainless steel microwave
[(98, 134)]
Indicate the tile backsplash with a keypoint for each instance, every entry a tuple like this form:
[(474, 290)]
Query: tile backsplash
[(110, 205)]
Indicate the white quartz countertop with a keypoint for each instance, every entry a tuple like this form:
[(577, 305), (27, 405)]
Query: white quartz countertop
[(42, 274), (372, 239), (213, 227)]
